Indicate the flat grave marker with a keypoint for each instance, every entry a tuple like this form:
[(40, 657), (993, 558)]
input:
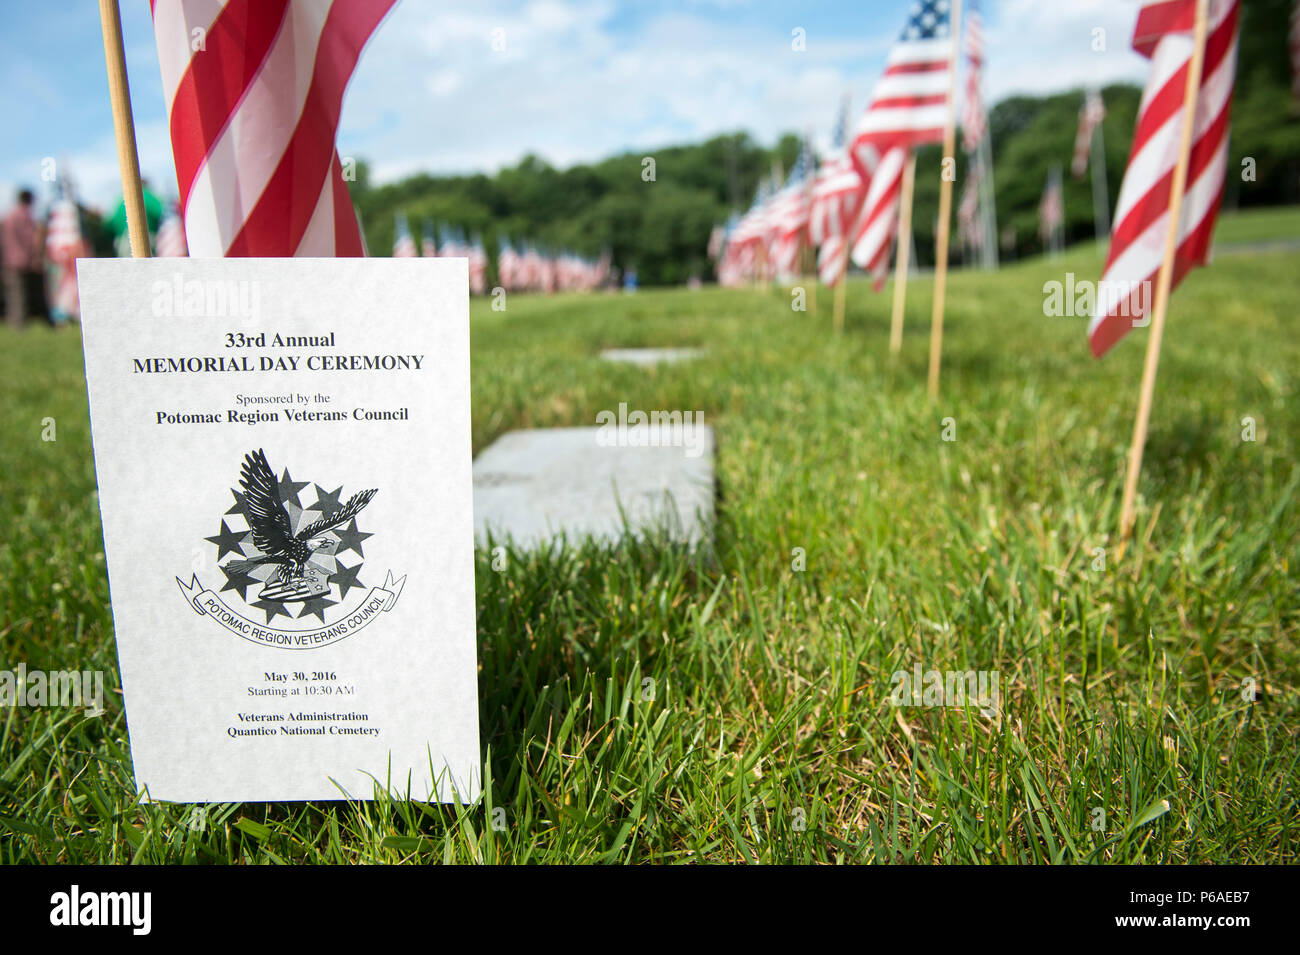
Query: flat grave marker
[(650, 357), (531, 486)]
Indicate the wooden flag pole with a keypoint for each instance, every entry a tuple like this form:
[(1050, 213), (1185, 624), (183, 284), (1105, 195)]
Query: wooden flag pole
[(1128, 512), (128, 161), (902, 254), (945, 211), (840, 290)]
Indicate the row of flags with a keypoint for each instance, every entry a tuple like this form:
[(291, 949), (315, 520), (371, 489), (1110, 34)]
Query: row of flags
[(66, 241), (530, 269), (853, 203), (449, 243), (253, 114), (851, 208), (527, 270)]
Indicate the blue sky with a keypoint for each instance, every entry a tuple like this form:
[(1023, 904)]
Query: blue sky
[(578, 79)]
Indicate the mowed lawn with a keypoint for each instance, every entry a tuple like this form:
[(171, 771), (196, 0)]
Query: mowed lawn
[(649, 704)]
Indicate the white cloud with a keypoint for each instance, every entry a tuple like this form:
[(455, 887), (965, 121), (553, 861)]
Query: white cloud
[(576, 80), (571, 87), (1036, 47)]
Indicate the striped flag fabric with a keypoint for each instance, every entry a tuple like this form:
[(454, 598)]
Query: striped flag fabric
[(909, 107), (171, 235), (253, 114), (1164, 35), (750, 234), (508, 263), (789, 216), (477, 267), (1051, 210), (1090, 117), (403, 241), (449, 245), (974, 118), (64, 244), (836, 196), (732, 265)]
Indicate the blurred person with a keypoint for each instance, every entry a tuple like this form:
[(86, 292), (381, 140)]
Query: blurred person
[(20, 253)]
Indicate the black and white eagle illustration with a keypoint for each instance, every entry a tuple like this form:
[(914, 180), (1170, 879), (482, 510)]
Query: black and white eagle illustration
[(269, 521)]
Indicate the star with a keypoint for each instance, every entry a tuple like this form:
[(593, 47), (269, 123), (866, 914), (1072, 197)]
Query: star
[(328, 502), (346, 578), (228, 541), (239, 580), (350, 539), (322, 562), (289, 489), (273, 608), (315, 606), (238, 506)]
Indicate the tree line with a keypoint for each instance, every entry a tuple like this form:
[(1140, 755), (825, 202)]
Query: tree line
[(659, 224)]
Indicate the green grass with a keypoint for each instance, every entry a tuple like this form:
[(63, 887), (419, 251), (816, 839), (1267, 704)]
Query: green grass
[(1259, 225), (766, 733)]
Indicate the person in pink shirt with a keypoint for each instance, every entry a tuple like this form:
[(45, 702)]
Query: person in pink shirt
[(20, 256)]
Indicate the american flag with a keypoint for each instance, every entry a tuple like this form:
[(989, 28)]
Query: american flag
[(1090, 117), (477, 267), (171, 235), (532, 268), (508, 263), (1051, 209), (789, 216), (750, 233), (909, 107), (733, 266), (449, 244), (403, 241), (253, 116), (1164, 34), (428, 244), (836, 196), (64, 244), (974, 120)]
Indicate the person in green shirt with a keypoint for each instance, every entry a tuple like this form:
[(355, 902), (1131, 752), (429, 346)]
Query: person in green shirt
[(116, 223)]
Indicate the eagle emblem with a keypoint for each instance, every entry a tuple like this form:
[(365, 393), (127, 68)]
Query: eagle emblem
[(289, 549)]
